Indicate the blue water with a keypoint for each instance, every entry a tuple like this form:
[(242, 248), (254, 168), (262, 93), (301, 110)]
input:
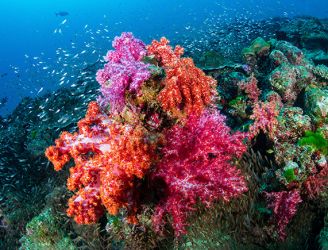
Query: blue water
[(33, 38)]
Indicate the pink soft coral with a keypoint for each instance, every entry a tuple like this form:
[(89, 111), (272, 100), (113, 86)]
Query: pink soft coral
[(251, 89), (284, 207), (317, 183), (123, 72), (197, 166), (265, 116)]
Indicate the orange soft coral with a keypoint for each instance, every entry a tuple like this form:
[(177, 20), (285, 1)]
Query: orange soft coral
[(186, 88), (109, 159), (129, 158)]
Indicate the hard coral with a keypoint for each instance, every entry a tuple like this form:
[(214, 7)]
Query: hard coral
[(197, 166), (123, 72), (186, 88), (109, 157), (292, 73)]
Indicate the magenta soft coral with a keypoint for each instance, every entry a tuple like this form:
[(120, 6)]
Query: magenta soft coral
[(197, 166), (123, 72)]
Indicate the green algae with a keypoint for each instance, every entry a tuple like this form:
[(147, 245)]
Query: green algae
[(316, 141)]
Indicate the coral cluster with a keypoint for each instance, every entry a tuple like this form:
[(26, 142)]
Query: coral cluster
[(156, 140), (299, 152), (280, 100), (138, 151)]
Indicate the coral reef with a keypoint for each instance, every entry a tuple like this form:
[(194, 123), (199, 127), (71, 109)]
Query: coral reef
[(281, 104), (173, 157)]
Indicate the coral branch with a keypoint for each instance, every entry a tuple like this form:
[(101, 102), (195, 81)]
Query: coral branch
[(265, 118), (251, 89)]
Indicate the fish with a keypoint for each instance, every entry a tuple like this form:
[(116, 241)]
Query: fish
[(270, 151), (63, 22), (40, 90), (62, 13)]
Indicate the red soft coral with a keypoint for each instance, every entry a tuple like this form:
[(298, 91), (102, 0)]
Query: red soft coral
[(86, 206), (197, 166), (129, 158), (317, 183), (284, 207), (186, 88), (72, 145), (109, 157)]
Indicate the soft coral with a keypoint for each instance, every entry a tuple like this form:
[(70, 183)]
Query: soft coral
[(197, 166), (186, 88)]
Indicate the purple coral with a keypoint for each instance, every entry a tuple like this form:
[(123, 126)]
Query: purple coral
[(124, 71)]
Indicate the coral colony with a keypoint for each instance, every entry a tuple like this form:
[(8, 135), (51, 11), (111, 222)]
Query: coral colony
[(155, 136), (165, 129)]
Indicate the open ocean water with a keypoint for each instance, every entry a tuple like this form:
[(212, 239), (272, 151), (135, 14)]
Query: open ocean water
[(228, 150)]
